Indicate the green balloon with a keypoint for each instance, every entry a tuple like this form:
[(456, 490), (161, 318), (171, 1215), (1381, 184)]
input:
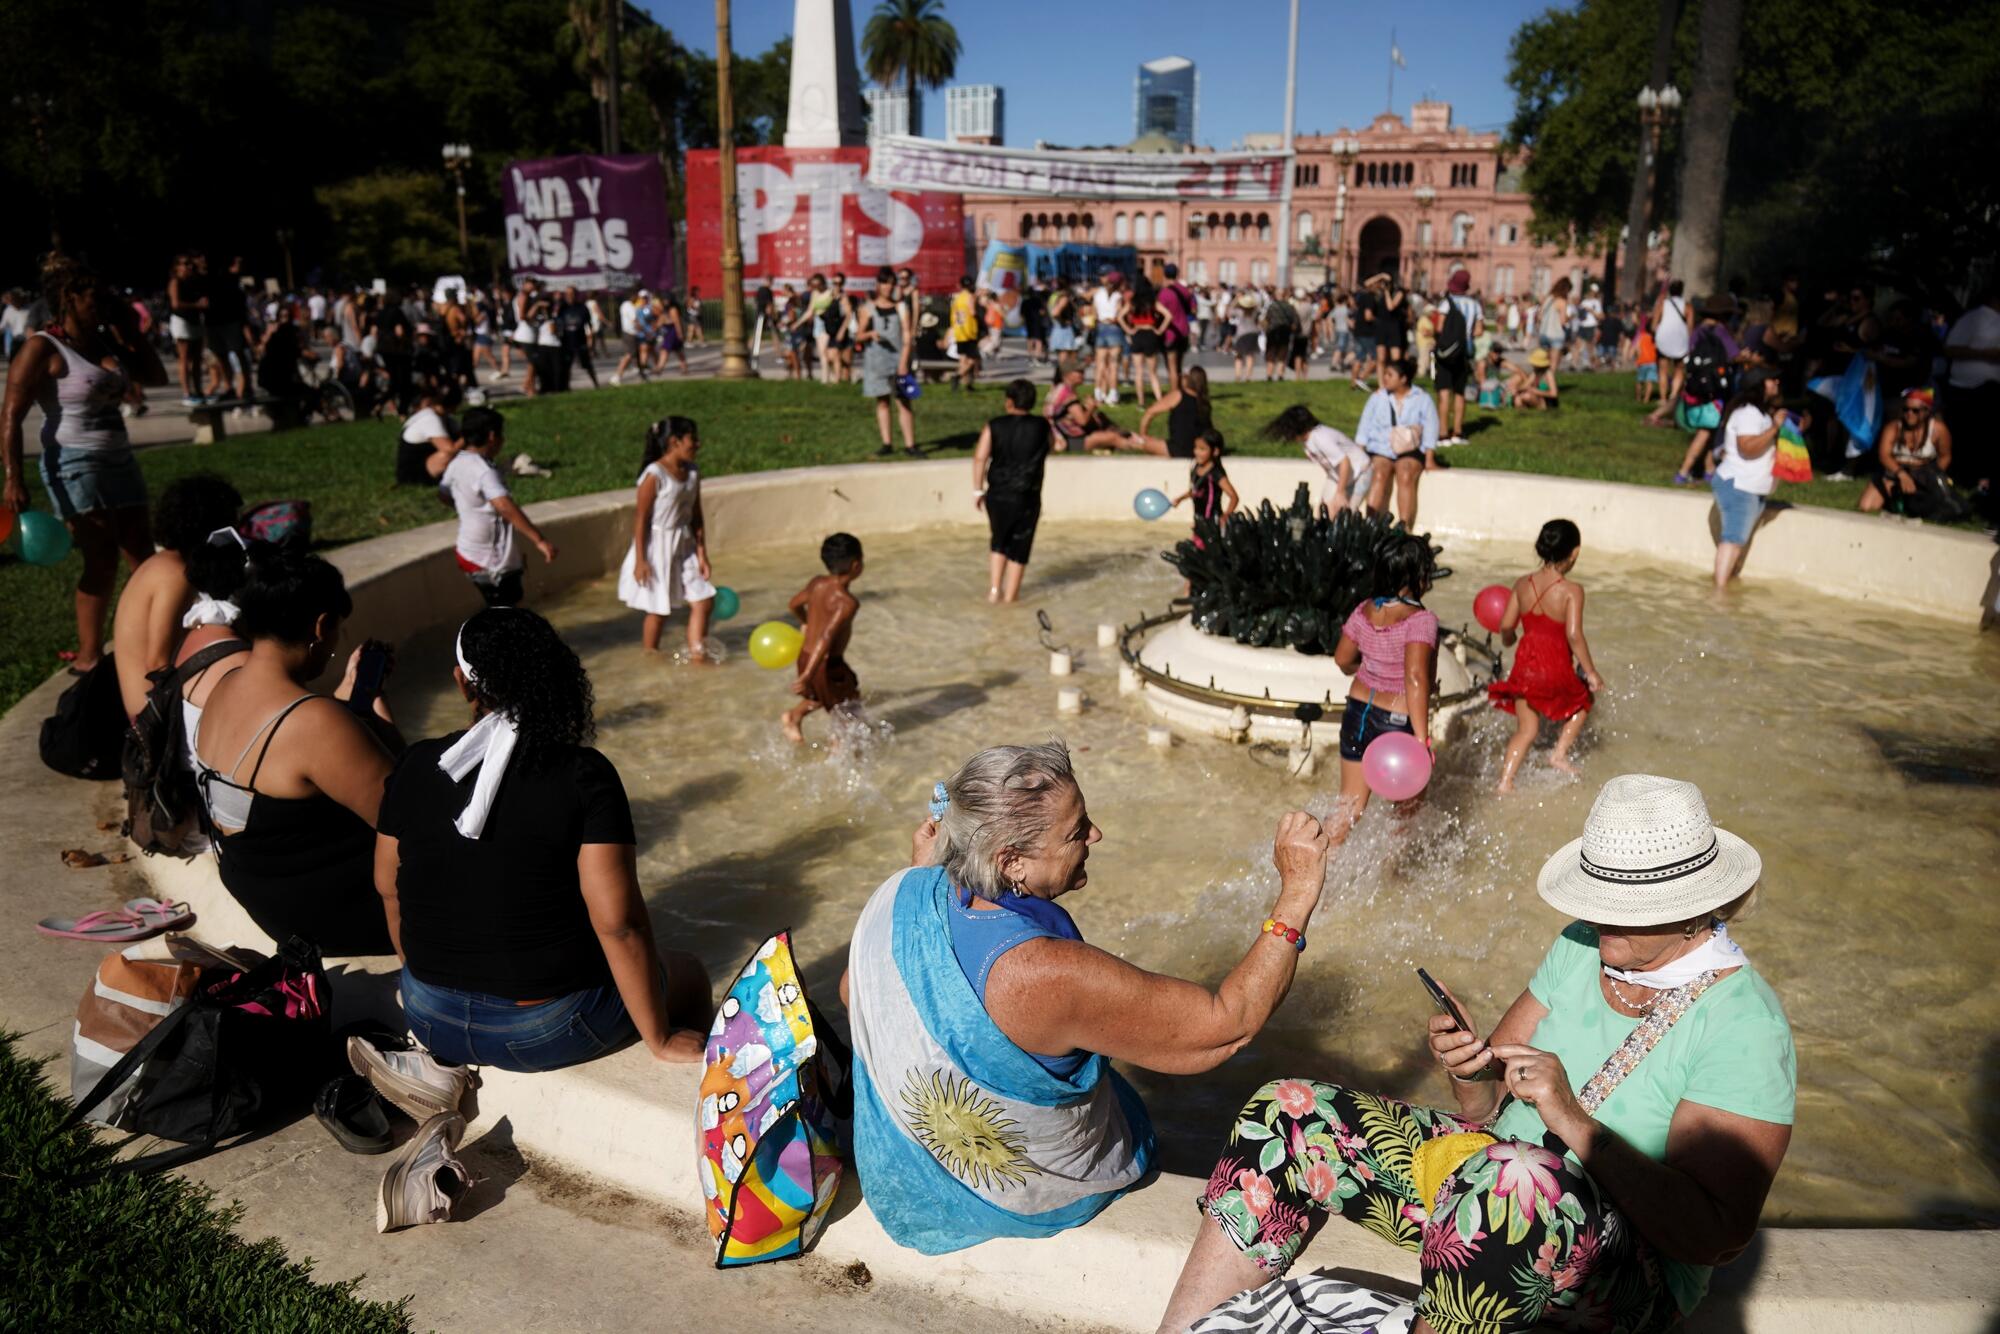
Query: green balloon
[(44, 538), (727, 604)]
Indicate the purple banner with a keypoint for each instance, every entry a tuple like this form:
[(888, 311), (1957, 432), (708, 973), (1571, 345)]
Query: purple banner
[(590, 220)]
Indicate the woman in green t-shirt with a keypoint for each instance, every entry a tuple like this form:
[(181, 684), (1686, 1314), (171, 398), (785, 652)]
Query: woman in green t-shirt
[(1569, 1186)]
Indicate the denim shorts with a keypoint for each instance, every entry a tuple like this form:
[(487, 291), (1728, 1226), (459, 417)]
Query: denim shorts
[(84, 481), (468, 1028), (1361, 722), (1739, 508), (1110, 335)]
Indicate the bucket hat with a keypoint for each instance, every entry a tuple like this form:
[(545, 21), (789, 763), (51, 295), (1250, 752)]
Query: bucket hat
[(1539, 358), (1649, 855)]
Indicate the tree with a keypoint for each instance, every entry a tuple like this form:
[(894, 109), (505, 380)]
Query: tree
[(391, 225), (912, 42), (1711, 112)]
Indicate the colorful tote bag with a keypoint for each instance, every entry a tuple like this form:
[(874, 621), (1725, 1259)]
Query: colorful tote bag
[(774, 1104), (1794, 462)]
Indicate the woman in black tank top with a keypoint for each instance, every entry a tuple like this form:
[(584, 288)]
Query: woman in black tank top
[(1188, 416)]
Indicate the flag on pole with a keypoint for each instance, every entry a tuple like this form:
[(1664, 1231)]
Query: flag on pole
[(1396, 54)]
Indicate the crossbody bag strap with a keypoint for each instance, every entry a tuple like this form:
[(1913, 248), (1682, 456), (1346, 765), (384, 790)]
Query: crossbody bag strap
[(1641, 1040)]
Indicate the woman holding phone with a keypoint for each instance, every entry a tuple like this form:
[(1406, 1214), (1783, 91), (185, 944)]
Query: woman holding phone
[(1610, 1141)]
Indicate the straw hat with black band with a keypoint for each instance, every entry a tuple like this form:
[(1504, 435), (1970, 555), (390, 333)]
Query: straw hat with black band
[(1649, 856)]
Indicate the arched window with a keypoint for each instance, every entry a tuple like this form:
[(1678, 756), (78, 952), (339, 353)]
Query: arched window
[(1214, 221), (1121, 227), (1263, 226), (1409, 172), (1160, 227), (1028, 226), (1227, 271), (1195, 227), (1142, 231), (1260, 270), (1199, 271), (1305, 225), (1538, 281), (1461, 231), (1372, 173), (1089, 225), (1233, 228), (986, 226), (1424, 233)]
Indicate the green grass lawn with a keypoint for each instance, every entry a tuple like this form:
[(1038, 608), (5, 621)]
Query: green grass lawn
[(593, 441), (131, 1252)]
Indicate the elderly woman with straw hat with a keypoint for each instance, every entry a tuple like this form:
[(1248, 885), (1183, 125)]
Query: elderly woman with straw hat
[(1614, 1135)]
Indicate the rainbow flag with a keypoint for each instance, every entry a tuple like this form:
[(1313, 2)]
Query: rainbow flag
[(1793, 463)]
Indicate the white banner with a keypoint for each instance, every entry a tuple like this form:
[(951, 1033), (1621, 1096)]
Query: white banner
[(902, 163)]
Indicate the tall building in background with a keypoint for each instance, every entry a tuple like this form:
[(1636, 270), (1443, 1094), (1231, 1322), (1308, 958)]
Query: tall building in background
[(1163, 99), (975, 113), (890, 112)]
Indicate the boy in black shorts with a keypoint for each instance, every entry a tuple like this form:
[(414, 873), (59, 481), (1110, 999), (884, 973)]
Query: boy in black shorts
[(1007, 483)]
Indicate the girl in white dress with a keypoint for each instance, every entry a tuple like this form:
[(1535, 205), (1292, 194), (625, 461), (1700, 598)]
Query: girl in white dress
[(667, 563)]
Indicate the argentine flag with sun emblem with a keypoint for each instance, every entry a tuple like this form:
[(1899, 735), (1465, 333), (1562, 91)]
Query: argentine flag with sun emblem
[(959, 1135)]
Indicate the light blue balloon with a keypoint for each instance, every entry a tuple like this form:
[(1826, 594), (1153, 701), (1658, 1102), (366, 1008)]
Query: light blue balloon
[(1151, 503)]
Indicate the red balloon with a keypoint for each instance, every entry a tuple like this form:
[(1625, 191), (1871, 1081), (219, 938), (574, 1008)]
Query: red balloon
[(1491, 605), (6, 523)]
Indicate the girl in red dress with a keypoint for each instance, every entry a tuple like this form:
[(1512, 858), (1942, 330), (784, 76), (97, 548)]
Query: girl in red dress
[(1548, 608)]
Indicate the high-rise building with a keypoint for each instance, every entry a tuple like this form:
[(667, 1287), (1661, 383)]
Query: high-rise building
[(890, 112), (975, 113), (1163, 99)]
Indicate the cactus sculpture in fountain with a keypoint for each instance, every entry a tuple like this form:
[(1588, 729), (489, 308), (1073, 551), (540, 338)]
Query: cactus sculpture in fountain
[(1283, 578)]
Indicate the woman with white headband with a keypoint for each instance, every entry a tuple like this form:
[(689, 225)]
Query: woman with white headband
[(1613, 1138), (506, 861), (290, 778)]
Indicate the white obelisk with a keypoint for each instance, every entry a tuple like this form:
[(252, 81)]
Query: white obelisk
[(826, 87)]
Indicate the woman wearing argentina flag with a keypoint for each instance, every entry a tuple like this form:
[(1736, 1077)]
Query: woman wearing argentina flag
[(984, 1027)]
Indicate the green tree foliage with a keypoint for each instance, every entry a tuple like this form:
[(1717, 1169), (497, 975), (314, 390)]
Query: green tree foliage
[(910, 42), (1857, 142), (391, 224)]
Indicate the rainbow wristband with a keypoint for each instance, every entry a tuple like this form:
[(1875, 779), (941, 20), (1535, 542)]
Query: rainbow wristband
[(1290, 935)]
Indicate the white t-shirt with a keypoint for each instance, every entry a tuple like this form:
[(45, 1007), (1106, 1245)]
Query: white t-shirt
[(1327, 447), (1752, 475), (1980, 328), (628, 317), (1590, 308), (424, 426), (485, 538), (316, 307), (1106, 299), (14, 320)]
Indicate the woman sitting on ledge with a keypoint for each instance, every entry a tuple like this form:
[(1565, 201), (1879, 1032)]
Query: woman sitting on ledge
[(984, 1028), (1599, 1204), (506, 863), (291, 779)]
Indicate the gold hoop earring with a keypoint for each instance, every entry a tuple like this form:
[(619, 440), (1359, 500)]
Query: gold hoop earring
[(1687, 932)]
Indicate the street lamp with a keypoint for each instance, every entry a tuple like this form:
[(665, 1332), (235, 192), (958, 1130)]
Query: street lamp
[(736, 363), (457, 157), (1658, 108), (1426, 196), (1345, 150)]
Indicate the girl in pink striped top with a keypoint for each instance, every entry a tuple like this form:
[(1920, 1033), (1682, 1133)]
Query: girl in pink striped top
[(1390, 644)]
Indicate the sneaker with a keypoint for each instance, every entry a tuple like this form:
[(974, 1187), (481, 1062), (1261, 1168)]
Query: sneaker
[(410, 1077), (1838, 477), (1114, 398), (617, 379), (427, 1180)]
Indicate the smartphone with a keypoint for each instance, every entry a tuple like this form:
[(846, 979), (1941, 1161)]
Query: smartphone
[(368, 676), (1444, 1002)]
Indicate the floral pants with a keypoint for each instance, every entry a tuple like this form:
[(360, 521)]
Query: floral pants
[(1517, 1237)]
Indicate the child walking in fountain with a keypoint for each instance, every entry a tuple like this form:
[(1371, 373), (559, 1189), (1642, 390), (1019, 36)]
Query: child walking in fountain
[(667, 564), (488, 518), (827, 606), (1209, 487), (1548, 607)]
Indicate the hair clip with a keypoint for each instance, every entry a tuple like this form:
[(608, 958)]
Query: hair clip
[(221, 535), (940, 801)]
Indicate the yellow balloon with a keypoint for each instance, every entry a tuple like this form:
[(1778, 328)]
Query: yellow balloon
[(775, 644)]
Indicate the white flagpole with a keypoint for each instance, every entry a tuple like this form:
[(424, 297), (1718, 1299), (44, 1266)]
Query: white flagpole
[(1285, 189)]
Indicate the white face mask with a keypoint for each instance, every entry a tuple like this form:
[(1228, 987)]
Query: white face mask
[(1716, 953)]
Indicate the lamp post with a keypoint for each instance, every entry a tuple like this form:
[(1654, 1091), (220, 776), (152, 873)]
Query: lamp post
[(735, 352), (1658, 108), (1345, 151), (457, 157), (1290, 168), (285, 244), (1426, 196)]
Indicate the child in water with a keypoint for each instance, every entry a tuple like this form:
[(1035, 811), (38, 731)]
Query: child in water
[(667, 564), (1548, 607), (827, 606), (1209, 487)]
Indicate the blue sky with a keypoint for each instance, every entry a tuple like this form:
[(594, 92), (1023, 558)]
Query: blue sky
[(1068, 68)]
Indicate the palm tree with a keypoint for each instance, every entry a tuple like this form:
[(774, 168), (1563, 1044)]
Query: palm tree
[(581, 38), (648, 66), (910, 41), (1704, 147)]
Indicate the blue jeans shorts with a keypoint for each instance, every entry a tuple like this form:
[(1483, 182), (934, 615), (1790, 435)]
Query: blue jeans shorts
[(1739, 508), (1110, 335), (468, 1028), (1361, 722), (84, 481)]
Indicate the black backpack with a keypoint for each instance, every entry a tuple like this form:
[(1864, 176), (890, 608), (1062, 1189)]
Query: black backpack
[(1707, 369), (1454, 336), (85, 736), (162, 807)]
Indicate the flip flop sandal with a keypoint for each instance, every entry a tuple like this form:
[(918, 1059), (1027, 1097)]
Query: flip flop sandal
[(163, 916), (353, 1113), (112, 924)]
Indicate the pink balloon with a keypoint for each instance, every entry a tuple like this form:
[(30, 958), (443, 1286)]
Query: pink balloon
[(1396, 766), (1491, 605)]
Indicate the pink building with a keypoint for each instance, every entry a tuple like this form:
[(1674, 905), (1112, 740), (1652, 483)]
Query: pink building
[(1422, 199)]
